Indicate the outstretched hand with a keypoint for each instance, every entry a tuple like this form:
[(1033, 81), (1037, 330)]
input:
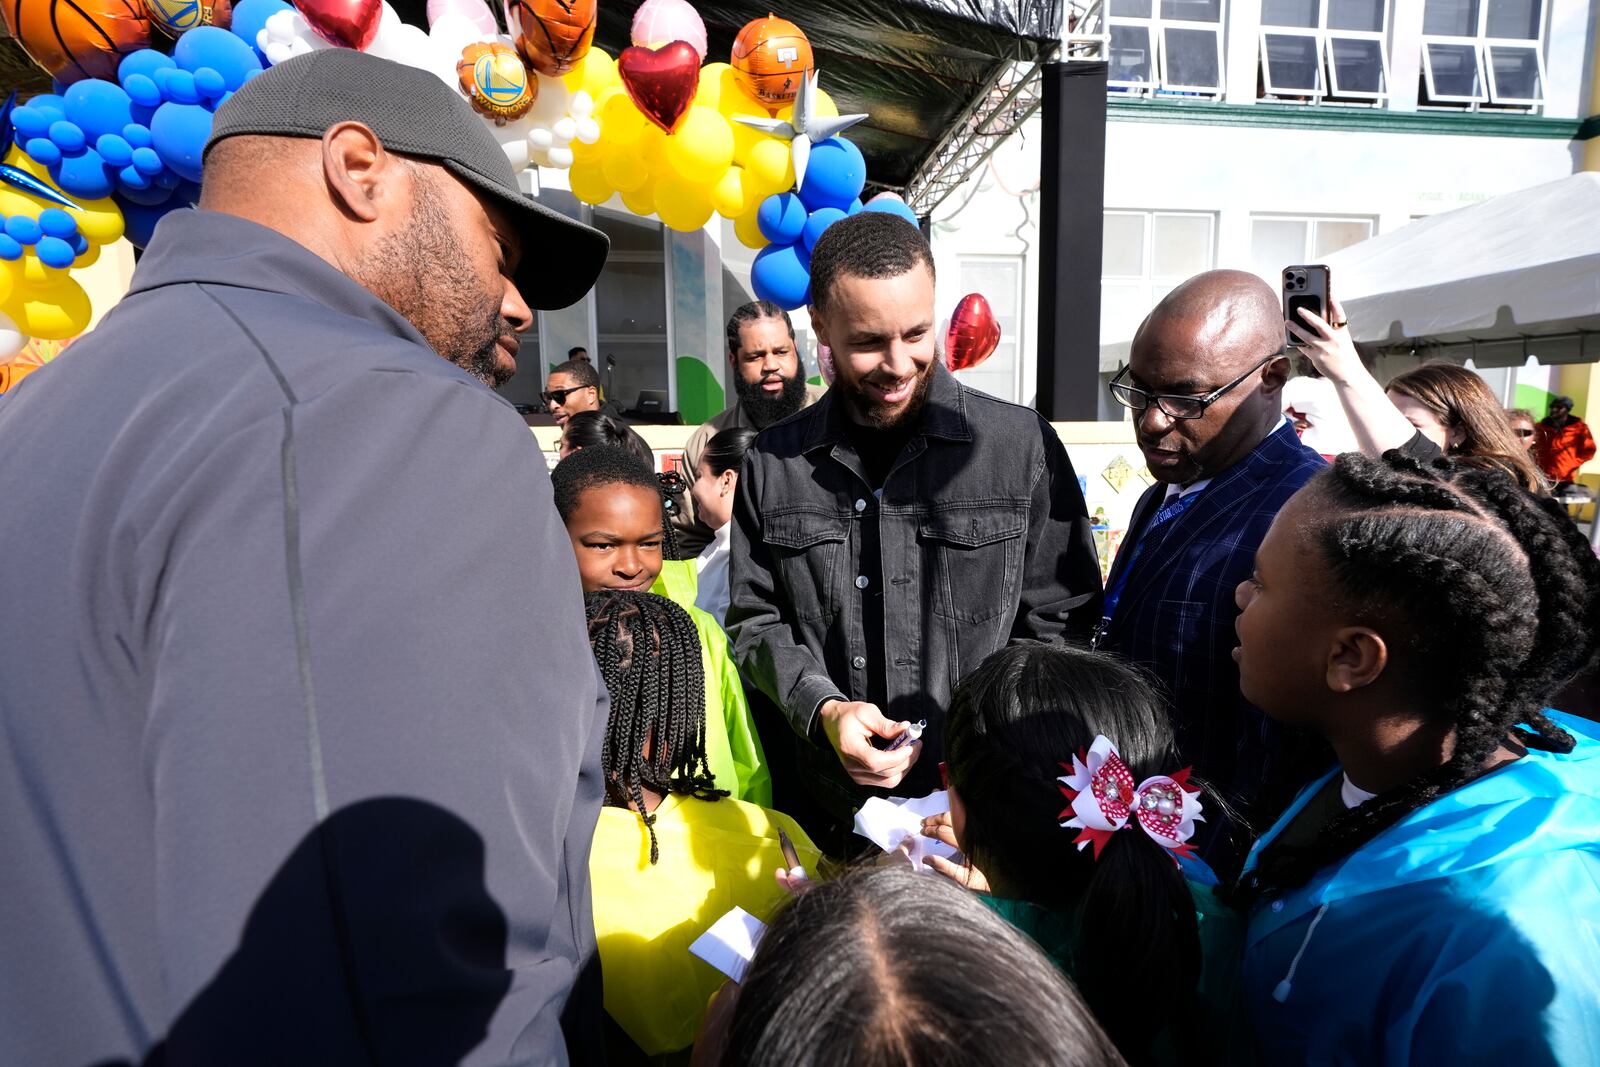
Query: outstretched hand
[(850, 726), (1330, 347)]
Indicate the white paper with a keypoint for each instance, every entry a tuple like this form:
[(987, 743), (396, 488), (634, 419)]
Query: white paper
[(891, 823), (730, 944)]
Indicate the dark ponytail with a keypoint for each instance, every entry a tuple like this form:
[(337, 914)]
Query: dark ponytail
[(1491, 599), (1013, 722), (725, 452)]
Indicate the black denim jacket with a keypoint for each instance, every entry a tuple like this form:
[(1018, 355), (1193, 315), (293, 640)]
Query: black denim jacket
[(984, 540)]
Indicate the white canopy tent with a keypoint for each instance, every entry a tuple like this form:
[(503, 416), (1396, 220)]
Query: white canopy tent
[(1497, 282)]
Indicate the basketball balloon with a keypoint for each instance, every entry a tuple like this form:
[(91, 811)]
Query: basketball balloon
[(494, 79), (770, 57), (77, 39), (553, 35), (176, 17)]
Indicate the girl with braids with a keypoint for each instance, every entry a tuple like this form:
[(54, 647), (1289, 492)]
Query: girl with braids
[(611, 504), (1435, 899), (1107, 914), (671, 854)]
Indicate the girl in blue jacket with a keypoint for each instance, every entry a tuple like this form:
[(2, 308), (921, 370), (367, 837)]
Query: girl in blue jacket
[(1435, 899)]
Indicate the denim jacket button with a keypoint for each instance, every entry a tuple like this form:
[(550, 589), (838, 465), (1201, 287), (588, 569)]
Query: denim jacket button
[(861, 505), (858, 662), (861, 581)]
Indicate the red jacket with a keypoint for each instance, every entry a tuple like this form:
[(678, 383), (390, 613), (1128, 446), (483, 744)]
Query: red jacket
[(1563, 449)]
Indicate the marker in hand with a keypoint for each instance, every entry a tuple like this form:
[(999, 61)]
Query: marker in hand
[(792, 858), (911, 733)]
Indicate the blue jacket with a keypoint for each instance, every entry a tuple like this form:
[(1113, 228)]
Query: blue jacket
[(1467, 933), (1176, 612), (299, 727)]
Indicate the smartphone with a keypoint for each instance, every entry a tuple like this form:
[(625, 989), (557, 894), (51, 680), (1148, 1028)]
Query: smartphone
[(1304, 286)]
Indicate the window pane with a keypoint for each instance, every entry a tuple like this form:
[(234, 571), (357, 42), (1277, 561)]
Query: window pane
[(1451, 18), (1517, 19), (996, 279), (1274, 244), (1333, 235), (1292, 63), (1297, 13), (1192, 10), (1364, 15), (1190, 58), (1455, 70), (1123, 306), (1182, 246), (1516, 73), (1130, 9), (1357, 65), (1122, 246), (631, 309), (1132, 58)]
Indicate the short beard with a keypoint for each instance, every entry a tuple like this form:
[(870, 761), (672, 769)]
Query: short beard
[(763, 410), (873, 415), (424, 273)]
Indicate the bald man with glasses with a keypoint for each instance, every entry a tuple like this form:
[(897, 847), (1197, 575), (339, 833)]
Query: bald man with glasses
[(1204, 380)]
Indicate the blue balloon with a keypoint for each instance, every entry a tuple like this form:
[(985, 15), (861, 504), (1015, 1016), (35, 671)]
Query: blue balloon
[(57, 223), (43, 150), (179, 133), (54, 252), (216, 49), (209, 83), (68, 137), (144, 62), (142, 90), (80, 245), (168, 179), (782, 218), (131, 182), (33, 119), (856, 207), (114, 150), (23, 230), (894, 207), (147, 162), (835, 175), (137, 135), (820, 220), (9, 249), (139, 220), (84, 176), (780, 274), (250, 18), (98, 107)]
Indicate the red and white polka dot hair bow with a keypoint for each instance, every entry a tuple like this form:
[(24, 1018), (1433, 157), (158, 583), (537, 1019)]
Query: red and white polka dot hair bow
[(1102, 799)]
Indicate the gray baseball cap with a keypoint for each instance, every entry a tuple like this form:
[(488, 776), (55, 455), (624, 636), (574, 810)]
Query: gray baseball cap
[(416, 114)]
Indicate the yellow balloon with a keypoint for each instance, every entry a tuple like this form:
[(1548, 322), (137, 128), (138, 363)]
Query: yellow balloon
[(702, 148), (729, 195), (770, 166), (589, 183), (653, 150), (641, 201), (10, 276), (54, 312), (624, 170), (713, 76), (595, 72), (748, 230), (682, 205), (826, 108), (586, 153), (620, 121), (745, 138)]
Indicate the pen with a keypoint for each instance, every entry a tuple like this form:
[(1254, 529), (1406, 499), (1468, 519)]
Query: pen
[(790, 856), (913, 733)]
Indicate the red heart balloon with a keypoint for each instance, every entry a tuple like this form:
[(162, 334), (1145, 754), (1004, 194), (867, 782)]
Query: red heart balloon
[(661, 82), (973, 335), (346, 23)]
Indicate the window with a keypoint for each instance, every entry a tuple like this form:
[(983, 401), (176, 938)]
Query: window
[(1483, 52), (1145, 254), (1174, 46), (1324, 49), (999, 279), (631, 312), (1276, 241)]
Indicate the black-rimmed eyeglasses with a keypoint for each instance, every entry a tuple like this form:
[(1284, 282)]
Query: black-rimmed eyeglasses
[(1174, 405)]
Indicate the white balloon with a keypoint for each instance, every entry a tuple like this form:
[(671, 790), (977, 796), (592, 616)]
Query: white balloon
[(541, 138), (12, 339), (517, 152), (560, 158), (453, 32), (582, 104), (588, 130), (565, 129)]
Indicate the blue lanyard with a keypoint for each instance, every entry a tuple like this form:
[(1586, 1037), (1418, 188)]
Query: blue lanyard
[(1169, 511)]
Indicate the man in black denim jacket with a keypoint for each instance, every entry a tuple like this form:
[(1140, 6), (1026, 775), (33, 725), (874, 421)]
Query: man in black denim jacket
[(892, 535)]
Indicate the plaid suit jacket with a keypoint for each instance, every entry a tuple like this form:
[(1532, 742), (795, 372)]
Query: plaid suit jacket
[(1176, 613)]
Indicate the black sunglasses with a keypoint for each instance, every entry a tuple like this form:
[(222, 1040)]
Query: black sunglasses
[(1173, 405), (559, 396)]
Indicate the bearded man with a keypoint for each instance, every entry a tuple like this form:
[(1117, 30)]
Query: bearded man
[(894, 534)]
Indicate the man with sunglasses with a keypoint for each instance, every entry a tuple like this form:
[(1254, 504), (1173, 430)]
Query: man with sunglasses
[(574, 386), (1204, 382)]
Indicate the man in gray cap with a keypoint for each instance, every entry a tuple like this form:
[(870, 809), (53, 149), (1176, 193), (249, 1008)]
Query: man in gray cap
[(298, 746)]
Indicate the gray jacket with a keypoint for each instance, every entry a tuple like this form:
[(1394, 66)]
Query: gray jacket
[(298, 748), (985, 540)]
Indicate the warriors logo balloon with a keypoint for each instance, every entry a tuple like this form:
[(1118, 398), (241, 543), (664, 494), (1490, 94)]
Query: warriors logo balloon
[(552, 34), (770, 57), (494, 79), (176, 17), (77, 39)]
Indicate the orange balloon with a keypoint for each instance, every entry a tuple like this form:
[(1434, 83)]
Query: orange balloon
[(770, 56), (77, 39), (553, 35)]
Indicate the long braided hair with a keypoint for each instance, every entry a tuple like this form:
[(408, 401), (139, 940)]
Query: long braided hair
[(649, 655), (1489, 594)]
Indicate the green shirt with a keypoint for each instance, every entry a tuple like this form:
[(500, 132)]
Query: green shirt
[(733, 750)]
